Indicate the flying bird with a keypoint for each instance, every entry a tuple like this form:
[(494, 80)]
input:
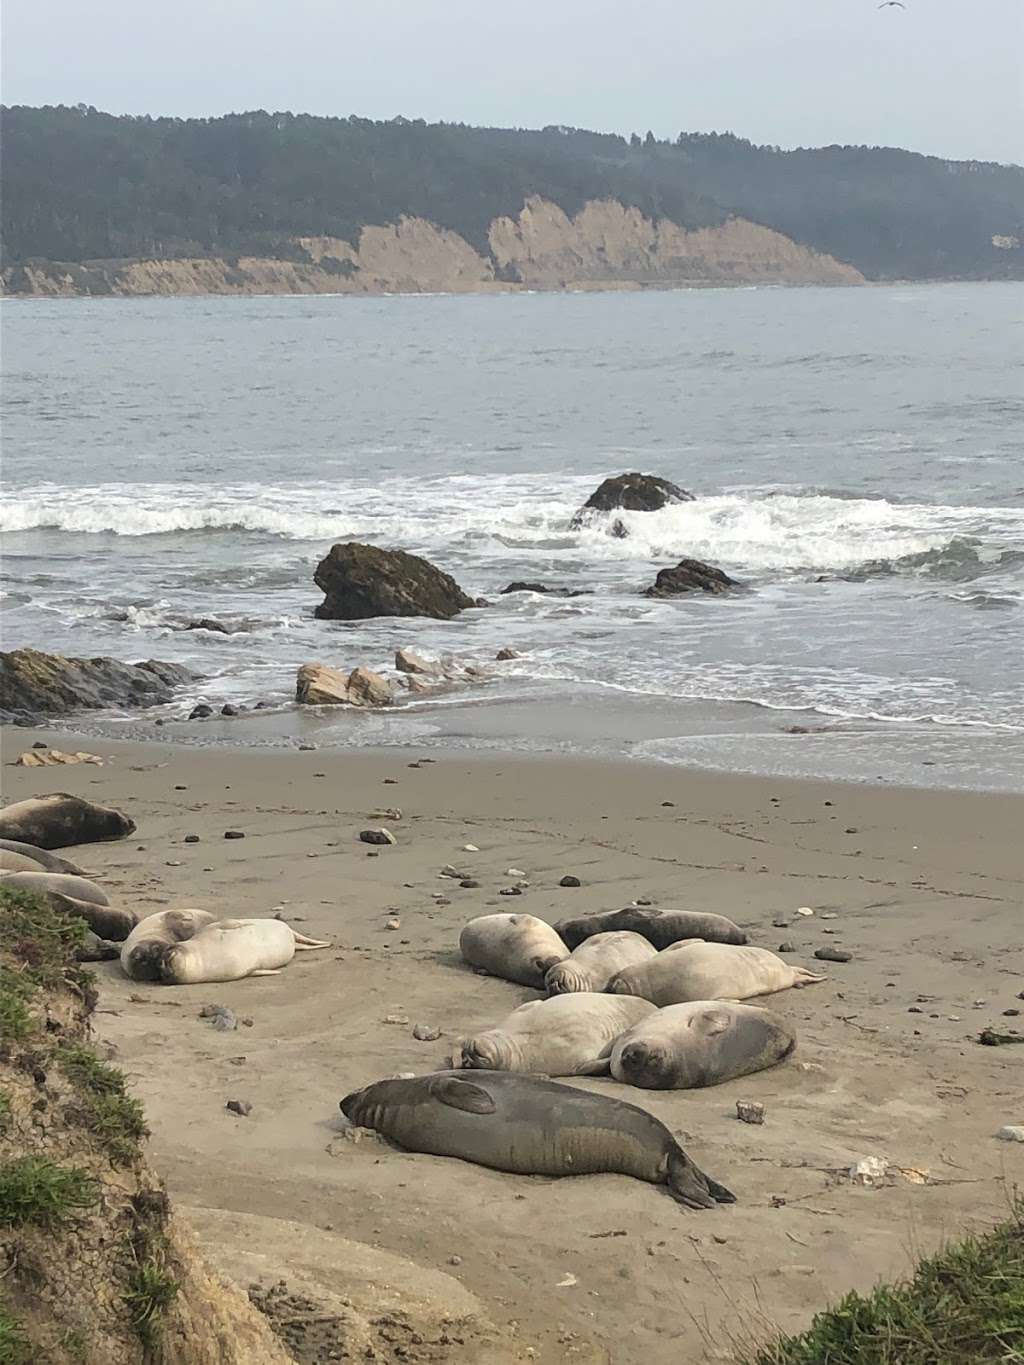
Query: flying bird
[(892, 4)]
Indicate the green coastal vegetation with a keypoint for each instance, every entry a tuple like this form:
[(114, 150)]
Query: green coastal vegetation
[(82, 185)]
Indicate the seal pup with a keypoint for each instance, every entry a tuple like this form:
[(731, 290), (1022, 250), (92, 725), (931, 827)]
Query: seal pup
[(516, 947), (660, 927), (75, 896), (18, 857), (143, 951), (230, 949), (565, 1035), (530, 1126), (704, 1042), (593, 964), (60, 819), (709, 971)]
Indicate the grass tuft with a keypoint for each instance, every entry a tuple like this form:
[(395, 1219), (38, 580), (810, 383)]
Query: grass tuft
[(34, 1190), (14, 1346), (115, 1118), (42, 941), (151, 1291), (964, 1306)]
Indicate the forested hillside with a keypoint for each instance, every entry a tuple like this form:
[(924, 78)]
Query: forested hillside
[(80, 185)]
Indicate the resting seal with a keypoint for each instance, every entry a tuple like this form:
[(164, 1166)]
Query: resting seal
[(660, 927), (683, 1047), (16, 857), (531, 1126), (144, 950), (593, 964), (565, 1035), (516, 947), (59, 820), (709, 971), (75, 896), (232, 948)]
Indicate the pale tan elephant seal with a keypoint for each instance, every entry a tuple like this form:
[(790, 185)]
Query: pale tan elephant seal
[(145, 948), (231, 949), (515, 947), (60, 819), (593, 964), (531, 1126), (705, 1042), (19, 857), (75, 896), (565, 1035), (709, 971)]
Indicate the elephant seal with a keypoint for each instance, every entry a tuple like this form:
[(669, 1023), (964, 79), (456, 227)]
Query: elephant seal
[(593, 964), (705, 1042), (232, 948), (143, 951), (17, 857), (660, 927), (531, 1126), (565, 1035), (60, 819), (516, 947), (75, 896), (709, 971)]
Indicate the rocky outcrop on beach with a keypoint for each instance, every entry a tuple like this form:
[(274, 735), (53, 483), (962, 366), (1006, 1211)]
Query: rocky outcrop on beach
[(362, 581), (690, 575), (318, 685), (630, 493), (36, 684)]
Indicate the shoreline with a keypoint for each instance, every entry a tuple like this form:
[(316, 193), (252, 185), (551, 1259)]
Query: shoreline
[(921, 887)]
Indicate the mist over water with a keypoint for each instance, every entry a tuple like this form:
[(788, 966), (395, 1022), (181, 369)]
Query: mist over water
[(855, 454)]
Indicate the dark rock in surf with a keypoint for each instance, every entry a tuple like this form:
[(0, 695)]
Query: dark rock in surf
[(208, 623), (50, 684), (363, 581), (690, 575), (630, 493), (556, 591), (200, 712)]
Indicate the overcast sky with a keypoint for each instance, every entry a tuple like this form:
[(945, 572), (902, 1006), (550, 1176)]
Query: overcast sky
[(940, 76)]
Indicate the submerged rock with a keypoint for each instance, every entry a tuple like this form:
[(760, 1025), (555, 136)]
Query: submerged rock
[(557, 590), (362, 581), (52, 685), (630, 493), (690, 575)]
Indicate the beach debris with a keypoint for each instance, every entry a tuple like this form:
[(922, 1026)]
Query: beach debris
[(49, 758), (749, 1111), (233, 834), (470, 848), (804, 910), (389, 813), (393, 923), (426, 1033), (1011, 1132), (833, 955), (222, 1019), (869, 1171), (396, 1019), (241, 1107), (377, 836), (200, 712), (570, 880), (991, 1038), (504, 655), (786, 947)]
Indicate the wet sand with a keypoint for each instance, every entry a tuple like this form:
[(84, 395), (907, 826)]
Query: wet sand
[(923, 888)]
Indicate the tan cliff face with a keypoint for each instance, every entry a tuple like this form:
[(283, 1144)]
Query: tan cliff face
[(605, 246)]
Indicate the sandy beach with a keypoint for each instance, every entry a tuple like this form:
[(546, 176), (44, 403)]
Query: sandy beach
[(923, 888)]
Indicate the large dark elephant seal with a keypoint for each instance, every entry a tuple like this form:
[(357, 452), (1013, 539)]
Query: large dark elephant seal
[(18, 857), (144, 951), (515, 947), (59, 820), (75, 896), (705, 1042), (593, 964), (709, 971), (231, 949), (531, 1126), (565, 1035), (660, 927)]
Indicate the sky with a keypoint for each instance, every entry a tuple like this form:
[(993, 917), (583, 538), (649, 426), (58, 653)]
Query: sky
[(939, 76)]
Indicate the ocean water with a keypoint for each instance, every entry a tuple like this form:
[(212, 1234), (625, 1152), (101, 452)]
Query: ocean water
[(856, 455)]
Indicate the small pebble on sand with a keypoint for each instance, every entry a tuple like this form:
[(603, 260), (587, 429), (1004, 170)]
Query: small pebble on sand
[(426, 1033), (569, 880), (242, 1107), (749, 1111), (233, 834), (377, 836), (833, 955)]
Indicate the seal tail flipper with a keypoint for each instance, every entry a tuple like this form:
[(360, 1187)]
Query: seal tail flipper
[(806, 978), (266, 971), (600, 1066), (301, 941), (689, 1185)]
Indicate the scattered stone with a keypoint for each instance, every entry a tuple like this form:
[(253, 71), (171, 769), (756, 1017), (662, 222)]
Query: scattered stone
[(228, 710), (241, 1107), (510, 891), (1010, 1014), (780, 922), (787, 947), (233, 834), (454, 1260), (631, 493), (749, 1111), (364, 581), (191, 839), (393, 923), (669, 803), (1011, 1133), (804, 910), (247, 1021), (391, 813), (396, 1019), (690, 575), (391, 781), (180, 787), (830, 915), (915, 1009), (471, 884), (450, 872), (643, 900), (426, 1033), (173, 862), (869, 1171), (200, 712), (470, 848), (377, 836), (543, 588), (569, 880), (991, 1038), (306, 748), (833, 955), (514, 872), (222, 1019), (504, 655), (317, 685), (851, 830)]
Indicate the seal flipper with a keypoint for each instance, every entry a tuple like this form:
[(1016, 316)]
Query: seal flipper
[(600, 1066), (689, 1185), (460, 1094)]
